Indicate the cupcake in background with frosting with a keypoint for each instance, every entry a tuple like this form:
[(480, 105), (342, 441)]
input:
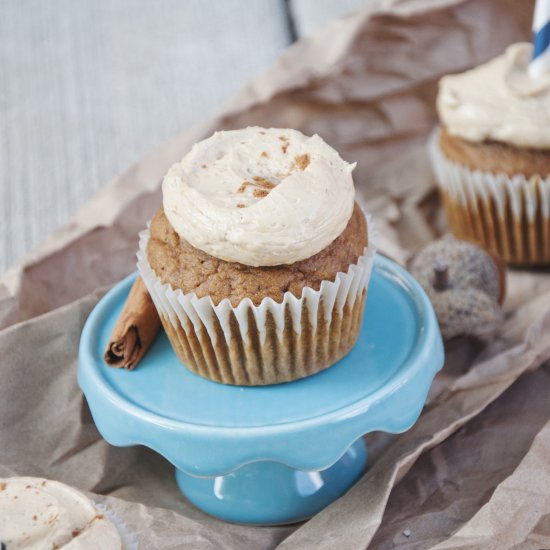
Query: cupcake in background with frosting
[(40, 513), (491, 156), (259, 260)]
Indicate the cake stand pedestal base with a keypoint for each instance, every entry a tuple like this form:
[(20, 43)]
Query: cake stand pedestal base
[(270, 493)]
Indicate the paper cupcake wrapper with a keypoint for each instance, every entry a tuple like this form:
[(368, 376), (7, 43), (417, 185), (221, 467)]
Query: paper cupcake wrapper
[(265, 344), (129, 541), (509, 216)]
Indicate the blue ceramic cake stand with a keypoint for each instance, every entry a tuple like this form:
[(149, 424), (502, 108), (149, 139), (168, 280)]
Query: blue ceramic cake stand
[(269, 454)]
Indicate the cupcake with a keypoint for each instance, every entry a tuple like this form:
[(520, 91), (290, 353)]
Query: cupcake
[(39, 513), (259, 259), (491, 156)]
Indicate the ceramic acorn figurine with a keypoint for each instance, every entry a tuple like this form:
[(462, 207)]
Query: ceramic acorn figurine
[(465, 284)]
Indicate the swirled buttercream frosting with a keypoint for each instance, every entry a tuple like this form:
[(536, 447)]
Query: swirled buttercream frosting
[(38, 513), (498, 101), (260, 197)]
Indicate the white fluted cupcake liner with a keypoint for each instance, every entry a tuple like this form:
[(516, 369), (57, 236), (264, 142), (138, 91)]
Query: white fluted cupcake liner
[(509, 216), (129, 541), (265, 344)]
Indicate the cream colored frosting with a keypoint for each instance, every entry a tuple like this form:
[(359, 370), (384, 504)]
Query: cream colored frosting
[(259, 196), (498, 101), (37, 513)]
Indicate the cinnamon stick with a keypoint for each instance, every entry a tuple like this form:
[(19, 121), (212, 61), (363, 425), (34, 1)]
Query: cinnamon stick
[(135, 330)]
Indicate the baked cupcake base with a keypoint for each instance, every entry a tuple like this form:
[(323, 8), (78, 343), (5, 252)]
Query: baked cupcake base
[(507, 214), (268, 343), (493, 156), (293, 356)]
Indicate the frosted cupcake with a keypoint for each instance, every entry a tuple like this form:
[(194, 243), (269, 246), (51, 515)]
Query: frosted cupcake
[(259, 260), (39, 513), (492, 156)]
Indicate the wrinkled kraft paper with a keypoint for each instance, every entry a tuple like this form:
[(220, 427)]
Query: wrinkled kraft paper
[(474, 472)]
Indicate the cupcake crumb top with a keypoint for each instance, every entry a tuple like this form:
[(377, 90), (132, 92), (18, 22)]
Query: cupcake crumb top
[(185, 267)]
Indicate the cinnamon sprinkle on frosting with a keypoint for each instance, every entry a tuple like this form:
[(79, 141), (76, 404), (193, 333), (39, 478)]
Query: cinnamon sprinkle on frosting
[(262, 182), (301, 162), (261, 187)]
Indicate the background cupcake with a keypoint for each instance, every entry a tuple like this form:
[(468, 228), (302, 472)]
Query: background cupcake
[(491, 156), (41, 513), (259, 260)]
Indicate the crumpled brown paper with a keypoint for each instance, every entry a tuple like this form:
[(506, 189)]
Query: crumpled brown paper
[(474, 472)]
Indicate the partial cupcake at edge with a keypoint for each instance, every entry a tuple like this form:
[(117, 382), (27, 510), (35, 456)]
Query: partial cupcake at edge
[(491, 156), (259, 259)]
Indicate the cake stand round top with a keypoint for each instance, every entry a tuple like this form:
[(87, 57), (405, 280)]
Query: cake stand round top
[(208, 429)]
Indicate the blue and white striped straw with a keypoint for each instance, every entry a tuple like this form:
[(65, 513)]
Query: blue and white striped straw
[(540, 63)]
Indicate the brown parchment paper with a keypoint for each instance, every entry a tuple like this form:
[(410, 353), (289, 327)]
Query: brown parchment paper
[(474, 472)]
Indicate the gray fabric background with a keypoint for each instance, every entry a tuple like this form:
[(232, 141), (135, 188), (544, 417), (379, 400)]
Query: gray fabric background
[(87, 87)]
